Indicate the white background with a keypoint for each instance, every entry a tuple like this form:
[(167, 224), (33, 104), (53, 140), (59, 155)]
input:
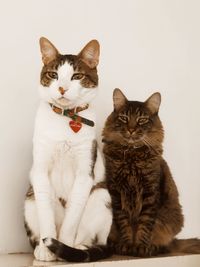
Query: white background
[(146, 46)]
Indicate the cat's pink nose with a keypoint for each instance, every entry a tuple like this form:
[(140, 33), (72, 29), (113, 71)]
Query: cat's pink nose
[(61, 90)]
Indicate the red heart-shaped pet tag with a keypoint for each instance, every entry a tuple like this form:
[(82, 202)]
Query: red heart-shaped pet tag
[(75, 126)]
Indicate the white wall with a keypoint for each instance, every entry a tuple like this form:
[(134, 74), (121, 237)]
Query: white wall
[(146, 46)]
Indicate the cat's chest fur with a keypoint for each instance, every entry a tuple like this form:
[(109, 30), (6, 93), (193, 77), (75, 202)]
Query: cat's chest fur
[(55, 140), (61, 169), (56, 127), (130, 186), (127, 171)]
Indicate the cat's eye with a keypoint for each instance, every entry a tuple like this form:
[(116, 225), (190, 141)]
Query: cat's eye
[(52, 75), (77, 76), (123, 118), (142, 120)]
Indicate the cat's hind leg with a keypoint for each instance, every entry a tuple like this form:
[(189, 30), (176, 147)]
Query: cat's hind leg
[(96, 220)]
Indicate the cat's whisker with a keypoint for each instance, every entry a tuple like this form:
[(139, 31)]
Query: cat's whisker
[(150, 141), (146, 143), (149, 145)]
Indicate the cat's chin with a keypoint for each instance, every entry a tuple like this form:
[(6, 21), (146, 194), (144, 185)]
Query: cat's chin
[(63, 102), (135, 144)]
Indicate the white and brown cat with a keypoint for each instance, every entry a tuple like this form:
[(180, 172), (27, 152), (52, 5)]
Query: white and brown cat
[(67, 199)]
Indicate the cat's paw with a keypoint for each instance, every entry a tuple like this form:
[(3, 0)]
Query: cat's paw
[(42, 253), (142, 251), (124, 249)]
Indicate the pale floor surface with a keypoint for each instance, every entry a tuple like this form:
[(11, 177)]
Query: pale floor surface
[(27, 260)]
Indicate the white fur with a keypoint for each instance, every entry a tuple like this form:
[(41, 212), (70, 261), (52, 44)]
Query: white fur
[(75, 94), (48, 241), (41, 252), (62, 169)]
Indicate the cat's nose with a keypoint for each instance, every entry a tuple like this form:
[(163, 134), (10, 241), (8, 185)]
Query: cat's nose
[(131, 131), (62, 90)]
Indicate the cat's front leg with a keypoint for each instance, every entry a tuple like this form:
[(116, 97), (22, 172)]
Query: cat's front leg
[(44, 202), (75, 206), (79, 194), (142, 244), (146, 220), (124, 243)]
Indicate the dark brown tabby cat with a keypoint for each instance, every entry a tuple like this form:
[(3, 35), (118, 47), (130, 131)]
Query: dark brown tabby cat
[(146, 210)]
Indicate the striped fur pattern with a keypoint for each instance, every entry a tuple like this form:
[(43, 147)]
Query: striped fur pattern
[(146, 210)]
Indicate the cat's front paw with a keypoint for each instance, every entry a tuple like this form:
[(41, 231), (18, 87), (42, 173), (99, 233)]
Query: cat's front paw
[(124, 249), (42, 253), (142, 251)]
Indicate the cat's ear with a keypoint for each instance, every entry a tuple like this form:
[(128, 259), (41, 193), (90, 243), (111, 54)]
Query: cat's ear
[(48, 50), (119, 99), (90, 54), (153, 102)]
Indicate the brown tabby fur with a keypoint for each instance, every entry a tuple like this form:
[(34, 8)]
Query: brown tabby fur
[(146, 210)]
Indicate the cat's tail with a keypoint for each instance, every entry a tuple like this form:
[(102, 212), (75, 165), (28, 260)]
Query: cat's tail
[(184, 246), (67, 253)]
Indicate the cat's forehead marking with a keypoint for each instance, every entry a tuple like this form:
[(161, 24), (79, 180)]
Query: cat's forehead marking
[(134, 109), (65, 71), (137, 111)]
